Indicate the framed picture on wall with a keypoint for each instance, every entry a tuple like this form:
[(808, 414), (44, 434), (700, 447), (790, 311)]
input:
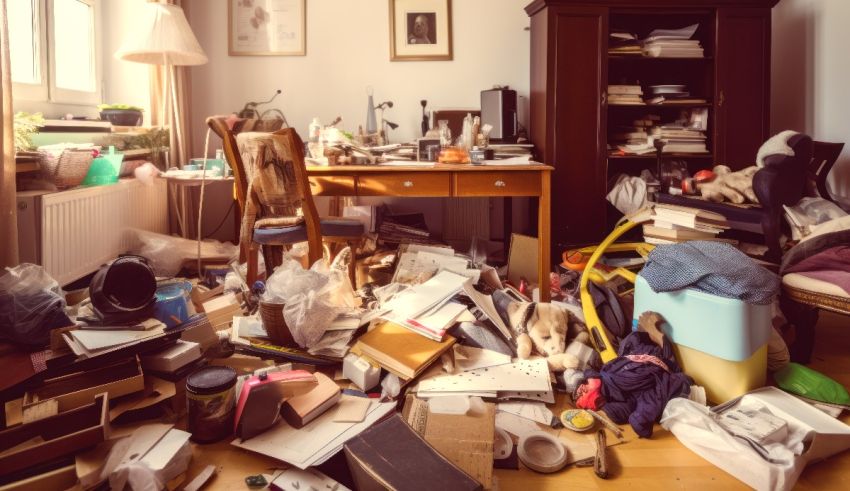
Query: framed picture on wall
[(420, 30), (267, 27)]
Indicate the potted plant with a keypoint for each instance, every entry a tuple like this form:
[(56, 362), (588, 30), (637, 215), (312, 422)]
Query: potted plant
[(25, 126), (121, 114)]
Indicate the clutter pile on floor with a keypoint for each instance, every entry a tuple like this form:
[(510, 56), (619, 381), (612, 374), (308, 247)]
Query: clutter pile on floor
[(437, 373)]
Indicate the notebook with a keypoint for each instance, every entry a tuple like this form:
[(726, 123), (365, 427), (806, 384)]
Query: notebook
[(399, 350)]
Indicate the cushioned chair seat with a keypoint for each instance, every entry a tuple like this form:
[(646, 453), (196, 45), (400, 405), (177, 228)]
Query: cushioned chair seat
[(331, 227), (802, 282)]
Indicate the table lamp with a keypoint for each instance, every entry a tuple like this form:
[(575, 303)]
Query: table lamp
[(162, 36)]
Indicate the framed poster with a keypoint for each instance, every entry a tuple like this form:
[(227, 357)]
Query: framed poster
[(267, 27), (420, 30)]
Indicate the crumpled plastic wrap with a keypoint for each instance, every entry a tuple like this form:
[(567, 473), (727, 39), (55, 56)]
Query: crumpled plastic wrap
[(312, 298), (31, 304), (166, 254), (138, 476)]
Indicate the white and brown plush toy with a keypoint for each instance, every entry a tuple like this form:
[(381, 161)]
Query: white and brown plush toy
[(736, 187), (545, 328)]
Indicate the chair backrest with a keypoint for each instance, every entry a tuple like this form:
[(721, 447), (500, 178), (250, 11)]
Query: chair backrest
[(824, 156), (231, 153)]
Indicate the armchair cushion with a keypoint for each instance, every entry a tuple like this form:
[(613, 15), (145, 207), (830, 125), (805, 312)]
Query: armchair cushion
[(813, 285)]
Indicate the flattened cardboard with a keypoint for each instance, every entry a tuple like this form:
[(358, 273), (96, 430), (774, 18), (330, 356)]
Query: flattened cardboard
[(522, 259), (465, 439), (78, 389), (61, 478), (63, 434)]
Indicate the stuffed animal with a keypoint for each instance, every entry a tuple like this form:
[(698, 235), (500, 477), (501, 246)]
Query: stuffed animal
[(736, 187), (545, 328)]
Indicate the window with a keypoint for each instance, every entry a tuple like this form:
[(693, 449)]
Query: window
[(54, 50)]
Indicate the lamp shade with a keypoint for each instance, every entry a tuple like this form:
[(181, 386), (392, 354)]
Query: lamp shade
[(162, 36)]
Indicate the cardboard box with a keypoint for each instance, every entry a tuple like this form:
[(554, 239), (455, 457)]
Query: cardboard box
[(42, 441), (464, 439), (79, 389)]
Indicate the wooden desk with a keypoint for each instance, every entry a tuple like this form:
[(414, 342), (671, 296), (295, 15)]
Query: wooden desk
[(445, 181)]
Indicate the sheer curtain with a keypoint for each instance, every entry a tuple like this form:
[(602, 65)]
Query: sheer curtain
[(180, 133), (8, 215)]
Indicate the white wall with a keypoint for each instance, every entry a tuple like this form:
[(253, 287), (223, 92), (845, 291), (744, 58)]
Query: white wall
[(811, 76), (124, 82), (348, 50)]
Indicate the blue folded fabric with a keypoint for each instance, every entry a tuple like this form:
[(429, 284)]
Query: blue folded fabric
[(712, 267)]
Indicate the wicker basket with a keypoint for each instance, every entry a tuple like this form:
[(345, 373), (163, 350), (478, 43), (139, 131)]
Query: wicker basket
[(272, 316), (67, 169)]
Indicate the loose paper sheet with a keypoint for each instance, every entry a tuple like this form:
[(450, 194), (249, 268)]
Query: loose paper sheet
[(524, 375)]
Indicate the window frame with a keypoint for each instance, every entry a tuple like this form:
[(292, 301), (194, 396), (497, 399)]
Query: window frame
[(47, 93), (39, 91)]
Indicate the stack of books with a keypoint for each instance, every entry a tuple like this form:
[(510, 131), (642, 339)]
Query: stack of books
[(673, 43), (623, 43), (671, 94), (678, 138), (407, 229), (625, 95), (634, 139), (673, 224)]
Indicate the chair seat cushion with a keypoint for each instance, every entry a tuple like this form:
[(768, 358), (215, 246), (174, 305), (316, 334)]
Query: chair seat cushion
[(331, 227), (813, 285), (742, 216)]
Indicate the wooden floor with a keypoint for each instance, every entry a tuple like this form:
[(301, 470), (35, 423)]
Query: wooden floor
[(663, 463), (657, 463)]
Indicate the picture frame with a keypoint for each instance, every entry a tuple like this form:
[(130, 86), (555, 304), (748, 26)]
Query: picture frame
[(267, 27), (420, 30)]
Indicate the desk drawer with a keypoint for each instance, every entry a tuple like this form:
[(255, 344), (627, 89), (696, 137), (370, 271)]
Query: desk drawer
[(406, 184), (498, 183), (332, 186)]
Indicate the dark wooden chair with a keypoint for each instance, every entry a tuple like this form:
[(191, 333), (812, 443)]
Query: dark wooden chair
[(314, 229), (782, 181), (803, 298)]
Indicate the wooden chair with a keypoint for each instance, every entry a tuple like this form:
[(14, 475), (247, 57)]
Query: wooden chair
[(824, 156), (313, 230)]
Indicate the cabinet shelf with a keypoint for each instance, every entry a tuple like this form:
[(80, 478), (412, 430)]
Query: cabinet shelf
[(652, 156), (645, 59), (669, 104)]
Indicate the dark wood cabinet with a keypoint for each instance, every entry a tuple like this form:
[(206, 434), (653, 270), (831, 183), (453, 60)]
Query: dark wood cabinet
[(571, 118)]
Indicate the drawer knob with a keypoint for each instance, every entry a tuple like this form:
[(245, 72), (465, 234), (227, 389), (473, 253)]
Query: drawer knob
[(500, 184), (407, 184)]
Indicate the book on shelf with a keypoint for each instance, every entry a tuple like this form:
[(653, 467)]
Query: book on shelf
[(625, 90)]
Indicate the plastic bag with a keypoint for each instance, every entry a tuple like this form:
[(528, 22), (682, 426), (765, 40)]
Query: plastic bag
[(312, 298), (166, 254), (803, 381), (808, 213), (31, 305)]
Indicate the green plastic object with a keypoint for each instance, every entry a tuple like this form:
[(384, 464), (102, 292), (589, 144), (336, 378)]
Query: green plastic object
[(104, 169), (808, 383)]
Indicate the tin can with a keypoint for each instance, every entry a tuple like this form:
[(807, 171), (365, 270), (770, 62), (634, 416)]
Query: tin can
[(211, 401)]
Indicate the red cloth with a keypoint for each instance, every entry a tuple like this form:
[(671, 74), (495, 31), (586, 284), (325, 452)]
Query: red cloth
[(589, 395)]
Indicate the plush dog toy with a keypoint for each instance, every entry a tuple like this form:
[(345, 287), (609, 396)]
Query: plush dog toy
[(736, 187), (545, 328)]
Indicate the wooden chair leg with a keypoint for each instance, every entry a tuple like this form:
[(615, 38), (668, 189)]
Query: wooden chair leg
[(253, 264), (803, 318)]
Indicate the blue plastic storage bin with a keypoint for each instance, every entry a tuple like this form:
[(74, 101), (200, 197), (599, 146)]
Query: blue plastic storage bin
[(722, 327)]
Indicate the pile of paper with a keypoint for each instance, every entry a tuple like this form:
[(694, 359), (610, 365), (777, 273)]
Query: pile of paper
[(417, 263), (427, 308), (314, 443), (672, 224), (94, 341), (673, 43)]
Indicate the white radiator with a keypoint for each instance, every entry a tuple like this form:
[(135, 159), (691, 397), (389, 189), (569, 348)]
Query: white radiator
[(465, 218), (83, 228)]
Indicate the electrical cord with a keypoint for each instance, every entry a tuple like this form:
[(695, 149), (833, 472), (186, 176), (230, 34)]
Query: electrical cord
[(223, 219)]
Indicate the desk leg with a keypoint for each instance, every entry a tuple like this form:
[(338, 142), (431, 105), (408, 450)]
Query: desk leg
[(544, 254)]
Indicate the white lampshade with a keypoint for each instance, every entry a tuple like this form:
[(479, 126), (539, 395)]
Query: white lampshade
[(162, 36)]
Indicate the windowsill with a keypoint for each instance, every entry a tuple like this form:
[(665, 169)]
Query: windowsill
[(55, 110)]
